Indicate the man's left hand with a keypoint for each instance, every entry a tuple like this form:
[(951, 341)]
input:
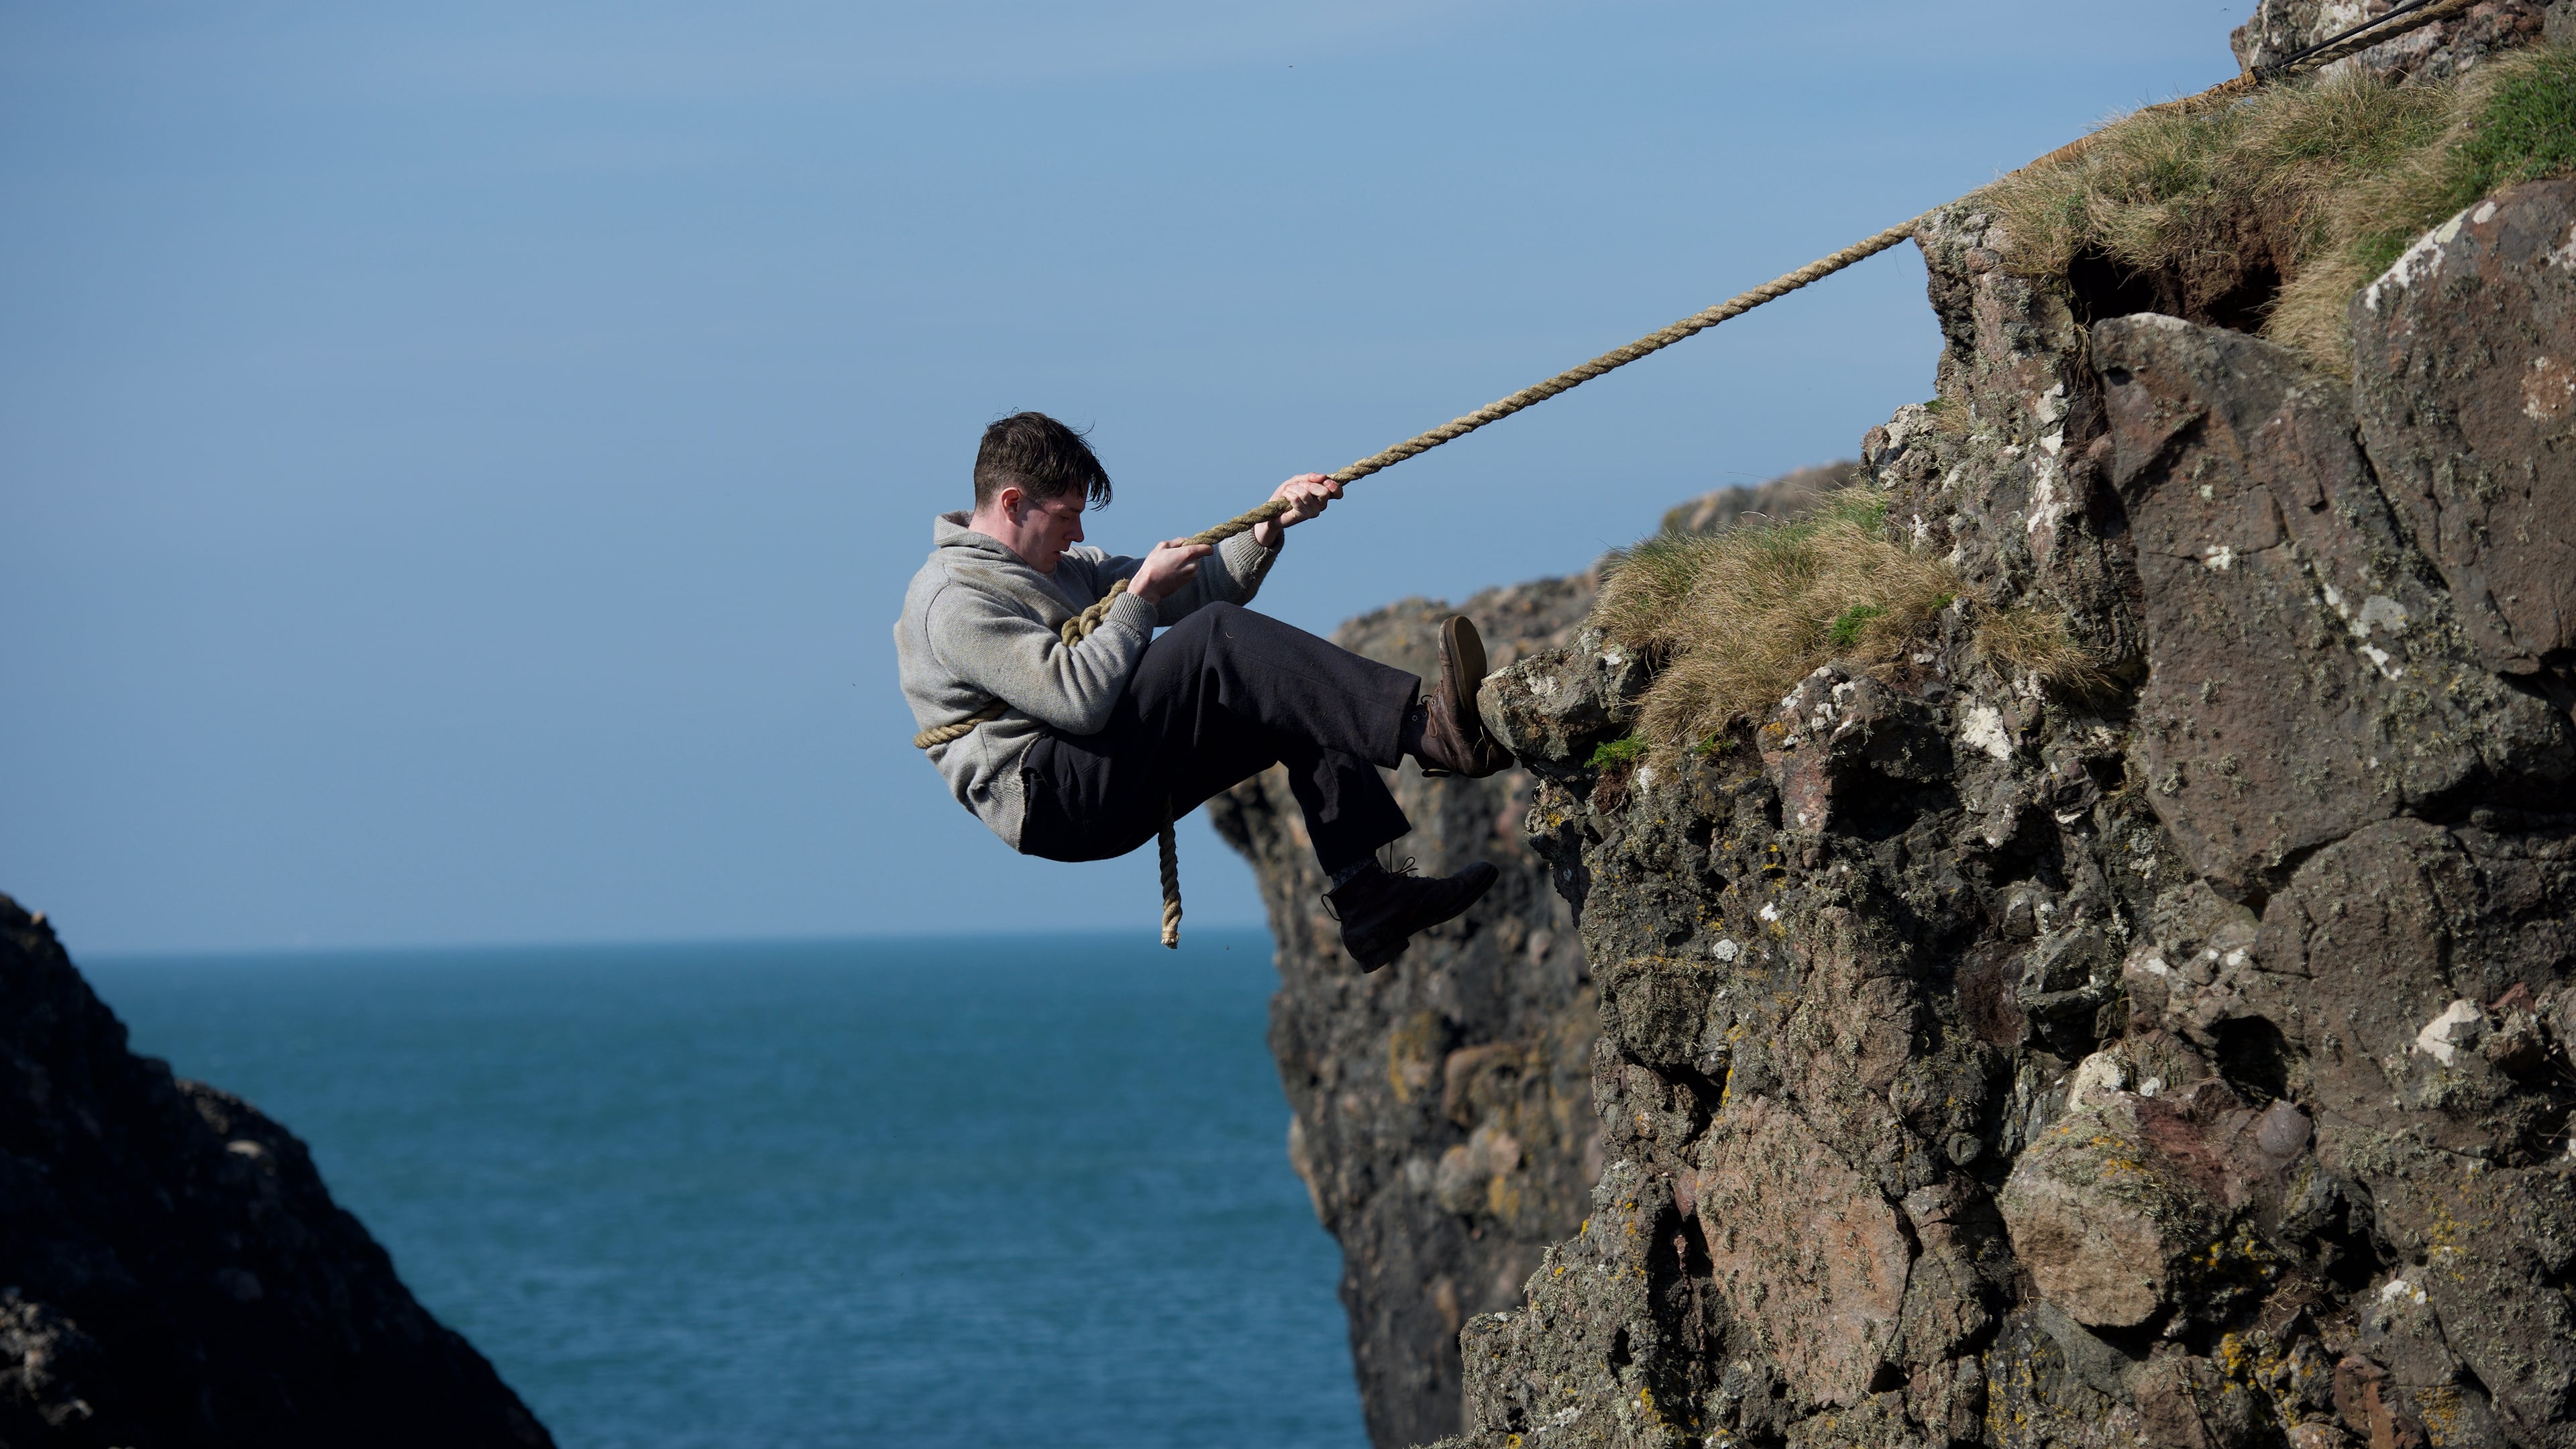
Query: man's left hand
[(1306, 495)]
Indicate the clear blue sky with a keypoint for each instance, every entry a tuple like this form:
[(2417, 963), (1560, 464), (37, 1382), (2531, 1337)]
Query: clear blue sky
[(459, 464)]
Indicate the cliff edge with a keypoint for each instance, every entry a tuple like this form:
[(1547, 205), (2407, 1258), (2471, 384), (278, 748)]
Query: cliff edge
[(175, 1271)]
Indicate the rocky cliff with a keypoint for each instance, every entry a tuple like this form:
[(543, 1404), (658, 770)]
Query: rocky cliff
[(1443, 1118), (1443, 1112), (175, 1272), (2181, 1063), (2174, 1051)]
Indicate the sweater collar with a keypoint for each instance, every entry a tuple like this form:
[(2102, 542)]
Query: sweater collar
[(949, 530)]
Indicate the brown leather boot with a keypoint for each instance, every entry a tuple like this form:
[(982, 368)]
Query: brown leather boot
[(1380, 909), (1454, 739)]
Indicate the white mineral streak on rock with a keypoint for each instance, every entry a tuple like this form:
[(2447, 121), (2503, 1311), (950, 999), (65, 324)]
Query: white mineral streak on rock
[(2380, 612), (1770, 911), (2219, 557), (2565, 257), (1985, 730), (2096, 1076), (2548, 389), (2421, 259), (2440, 1038), (1725, 950)]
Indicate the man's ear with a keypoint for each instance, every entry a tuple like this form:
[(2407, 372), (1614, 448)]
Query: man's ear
[(1008, 501)]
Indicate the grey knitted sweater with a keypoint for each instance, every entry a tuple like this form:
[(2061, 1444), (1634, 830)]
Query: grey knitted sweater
[(979, 624)]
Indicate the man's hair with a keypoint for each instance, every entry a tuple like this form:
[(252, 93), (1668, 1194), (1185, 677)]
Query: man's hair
[(1041, 457)]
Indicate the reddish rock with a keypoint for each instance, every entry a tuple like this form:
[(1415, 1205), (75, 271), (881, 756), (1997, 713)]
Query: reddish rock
[(1806, 1250), (2304, 681)]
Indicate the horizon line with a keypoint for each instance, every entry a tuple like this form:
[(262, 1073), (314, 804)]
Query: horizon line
[(1143, 935)]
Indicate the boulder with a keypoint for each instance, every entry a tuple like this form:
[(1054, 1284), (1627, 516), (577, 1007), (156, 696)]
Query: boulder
[(2464, 372)]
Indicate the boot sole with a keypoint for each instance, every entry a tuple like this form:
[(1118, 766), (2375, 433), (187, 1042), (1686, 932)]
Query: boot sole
[(1462, 654), (1462, 668)]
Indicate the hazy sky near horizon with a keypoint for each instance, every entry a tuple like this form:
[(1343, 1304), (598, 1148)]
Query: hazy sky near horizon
[(460, 464)]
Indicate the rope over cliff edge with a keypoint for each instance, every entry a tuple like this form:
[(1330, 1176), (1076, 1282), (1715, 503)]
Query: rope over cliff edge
[(2400, 21)]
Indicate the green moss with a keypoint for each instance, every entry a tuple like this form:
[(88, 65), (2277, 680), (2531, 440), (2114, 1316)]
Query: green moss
[(2527, 130), (1617, 752), (2524, 131), (1845, 631)]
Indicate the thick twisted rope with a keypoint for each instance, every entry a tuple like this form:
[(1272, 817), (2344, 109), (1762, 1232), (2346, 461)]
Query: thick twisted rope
[(1168, 855), (1078, 628)]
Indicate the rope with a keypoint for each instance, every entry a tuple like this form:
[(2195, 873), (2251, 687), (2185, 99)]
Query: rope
[(1078, 628), (1168, 852), (2349, 42)]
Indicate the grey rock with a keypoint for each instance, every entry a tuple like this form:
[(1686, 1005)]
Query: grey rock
[(2465, 378), (1553, 706)]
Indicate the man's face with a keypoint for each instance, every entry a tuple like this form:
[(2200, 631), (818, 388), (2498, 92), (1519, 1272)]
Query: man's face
[(1047, 529)]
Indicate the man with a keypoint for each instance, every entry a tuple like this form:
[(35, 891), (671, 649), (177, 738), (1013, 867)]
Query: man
[(1100, 738)]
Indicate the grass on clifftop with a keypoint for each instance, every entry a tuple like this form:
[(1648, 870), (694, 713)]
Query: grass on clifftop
[(1735, 619), (2345, 172)]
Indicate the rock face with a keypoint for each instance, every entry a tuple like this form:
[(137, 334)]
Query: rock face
[(1443, 1117), (177, 1274), (2186, 1065), (2466, 402), (1443, 1113)]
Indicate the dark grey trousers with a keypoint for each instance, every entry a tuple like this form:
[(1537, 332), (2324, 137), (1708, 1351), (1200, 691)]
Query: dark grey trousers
[(1221, 696)]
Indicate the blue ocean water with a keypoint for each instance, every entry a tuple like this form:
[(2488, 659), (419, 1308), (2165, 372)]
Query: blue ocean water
[(899, 1192)]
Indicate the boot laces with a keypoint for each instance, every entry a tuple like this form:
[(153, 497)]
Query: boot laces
[(1401, 867)]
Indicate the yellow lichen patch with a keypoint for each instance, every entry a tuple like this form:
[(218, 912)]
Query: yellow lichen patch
[(1412, 1052)]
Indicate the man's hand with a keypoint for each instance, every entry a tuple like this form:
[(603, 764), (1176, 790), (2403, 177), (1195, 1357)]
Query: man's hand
[(1306, 494), (1172, 564)]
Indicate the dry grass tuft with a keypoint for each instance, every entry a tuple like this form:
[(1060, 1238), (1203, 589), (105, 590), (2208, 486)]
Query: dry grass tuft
[(1735, 619), (2343, 171), (2035, 642)]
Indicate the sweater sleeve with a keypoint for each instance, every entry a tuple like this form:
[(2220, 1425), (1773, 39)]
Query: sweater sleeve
[(1231, 575), (1027, 666)]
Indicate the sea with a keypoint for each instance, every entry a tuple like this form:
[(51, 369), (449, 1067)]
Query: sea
[(902, 1191)]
